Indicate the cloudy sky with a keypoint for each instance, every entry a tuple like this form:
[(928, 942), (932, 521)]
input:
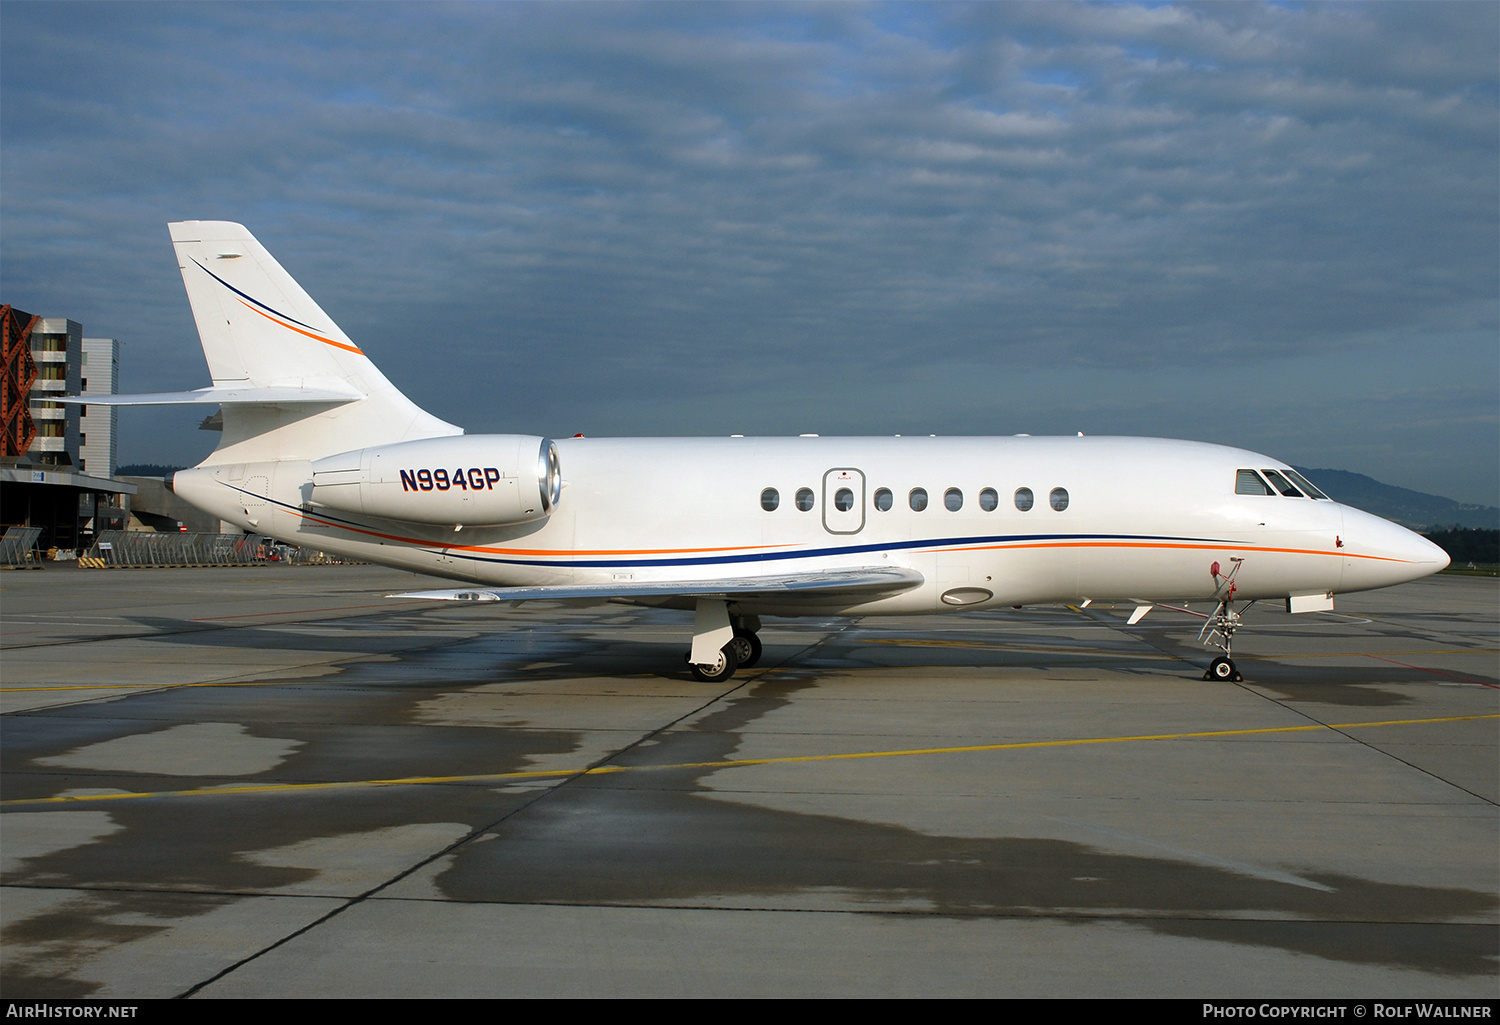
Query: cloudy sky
[(1269, 226)]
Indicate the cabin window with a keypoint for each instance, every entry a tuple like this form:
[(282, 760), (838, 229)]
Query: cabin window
[(953, 499), (1248, 482), (843, 500), (1281, 484), (883, 499), (917, 499), (1024, 499), (1059, 499), (770, 499), (1306, 485), (988, 500), (804, 499)]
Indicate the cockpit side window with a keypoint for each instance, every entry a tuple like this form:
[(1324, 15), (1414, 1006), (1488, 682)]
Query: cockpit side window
[(1305, 485), (1282, 484), (1248, 482)]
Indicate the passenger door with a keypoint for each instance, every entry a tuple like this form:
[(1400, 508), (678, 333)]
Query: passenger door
[(844, 501)]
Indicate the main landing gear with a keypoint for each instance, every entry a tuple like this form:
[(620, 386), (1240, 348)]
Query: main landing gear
[(722, 668), (722, 644), (747, 647)]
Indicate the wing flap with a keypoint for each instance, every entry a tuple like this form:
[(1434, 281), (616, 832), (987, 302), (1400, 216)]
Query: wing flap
[(855, 583)]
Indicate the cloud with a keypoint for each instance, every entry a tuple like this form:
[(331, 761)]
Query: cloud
[(776, 207)]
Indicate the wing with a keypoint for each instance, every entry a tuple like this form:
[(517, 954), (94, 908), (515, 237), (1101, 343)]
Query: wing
[(833, 585)]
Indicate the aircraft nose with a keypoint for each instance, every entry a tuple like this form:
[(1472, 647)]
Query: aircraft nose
[(1379, 553)]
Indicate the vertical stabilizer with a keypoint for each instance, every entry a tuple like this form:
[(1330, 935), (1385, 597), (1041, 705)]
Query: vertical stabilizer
[(261, 330)]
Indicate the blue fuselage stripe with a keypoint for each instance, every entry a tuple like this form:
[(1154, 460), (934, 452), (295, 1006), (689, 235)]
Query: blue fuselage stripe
[(564, 559), (818, 553)]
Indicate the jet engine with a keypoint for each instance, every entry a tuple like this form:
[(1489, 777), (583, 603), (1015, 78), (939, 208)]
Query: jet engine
[(477, 480)]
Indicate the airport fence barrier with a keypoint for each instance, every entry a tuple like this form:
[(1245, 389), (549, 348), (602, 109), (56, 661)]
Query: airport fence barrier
[(116, 548), (312, 557), (16, 547), (141, 548)]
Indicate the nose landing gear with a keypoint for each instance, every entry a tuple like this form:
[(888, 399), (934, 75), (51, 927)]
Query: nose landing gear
[(1219, 630)]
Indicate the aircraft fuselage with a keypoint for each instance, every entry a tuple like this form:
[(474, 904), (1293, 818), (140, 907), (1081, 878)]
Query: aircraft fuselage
[(1142, 519)]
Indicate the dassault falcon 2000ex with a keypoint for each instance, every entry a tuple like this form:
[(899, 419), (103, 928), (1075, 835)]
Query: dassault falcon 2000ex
[(319, 449)]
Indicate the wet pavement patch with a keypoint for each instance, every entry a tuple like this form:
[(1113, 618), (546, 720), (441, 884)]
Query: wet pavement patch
[(48, 955), (1455, 949), (602, 844)]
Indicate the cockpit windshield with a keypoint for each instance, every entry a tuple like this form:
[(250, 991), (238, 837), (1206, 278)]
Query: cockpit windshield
[(1306, 485), (1281, 484)]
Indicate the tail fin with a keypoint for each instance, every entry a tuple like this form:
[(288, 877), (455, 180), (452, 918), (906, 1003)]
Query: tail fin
[(262, 334)]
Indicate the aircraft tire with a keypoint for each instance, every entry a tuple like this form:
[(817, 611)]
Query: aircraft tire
[(747, 646), (1223, 668), (722, 669)]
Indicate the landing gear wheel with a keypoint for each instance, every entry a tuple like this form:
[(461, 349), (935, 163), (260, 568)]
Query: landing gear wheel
[(722, 669), (747, 647), (1222, 668)]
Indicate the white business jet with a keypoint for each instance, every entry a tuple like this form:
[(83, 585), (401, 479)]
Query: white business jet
[(319, 449)]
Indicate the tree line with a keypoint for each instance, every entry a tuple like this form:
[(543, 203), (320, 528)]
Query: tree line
[(1466, 544)]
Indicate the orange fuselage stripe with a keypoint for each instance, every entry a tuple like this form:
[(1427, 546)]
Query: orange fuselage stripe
[(1168, 544)]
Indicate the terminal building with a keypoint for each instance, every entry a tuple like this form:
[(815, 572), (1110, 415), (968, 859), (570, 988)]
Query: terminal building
[(56, 459), (97, 425), (57, 349)]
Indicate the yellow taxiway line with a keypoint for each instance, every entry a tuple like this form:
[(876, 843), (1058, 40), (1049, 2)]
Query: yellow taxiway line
[(603, 770)]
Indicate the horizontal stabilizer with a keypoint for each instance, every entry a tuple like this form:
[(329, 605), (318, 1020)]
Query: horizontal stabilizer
[(229, 396), (857, 583)]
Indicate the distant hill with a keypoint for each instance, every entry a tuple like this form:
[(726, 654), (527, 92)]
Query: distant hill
[(1408, 508)]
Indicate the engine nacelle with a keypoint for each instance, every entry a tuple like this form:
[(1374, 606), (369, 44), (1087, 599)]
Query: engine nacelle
[(480, 480)]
